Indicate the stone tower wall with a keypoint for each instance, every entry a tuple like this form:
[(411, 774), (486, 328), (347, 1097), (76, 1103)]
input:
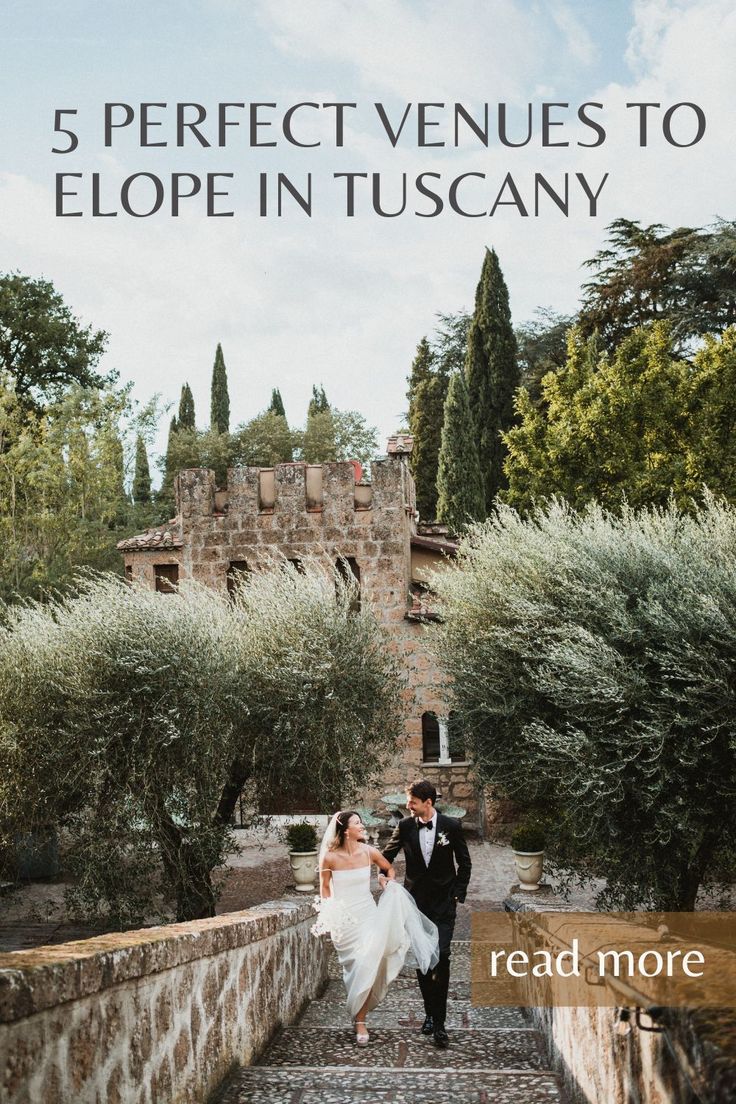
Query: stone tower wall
[(309, 512)]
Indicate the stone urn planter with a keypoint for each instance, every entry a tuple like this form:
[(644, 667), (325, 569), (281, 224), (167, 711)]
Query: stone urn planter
[(302, 841), (528, 846)]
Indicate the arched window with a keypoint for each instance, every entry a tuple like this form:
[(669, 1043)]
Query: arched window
[(430, 738), (349, 570)]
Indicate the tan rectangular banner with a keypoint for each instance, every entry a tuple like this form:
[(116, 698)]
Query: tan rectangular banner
[(610, 959)]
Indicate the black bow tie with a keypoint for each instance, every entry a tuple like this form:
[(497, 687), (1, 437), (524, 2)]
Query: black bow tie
[(421, 824)]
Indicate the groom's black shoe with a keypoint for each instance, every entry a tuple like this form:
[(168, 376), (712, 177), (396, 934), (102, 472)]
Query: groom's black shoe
[(441, 1038), (428, 1026)]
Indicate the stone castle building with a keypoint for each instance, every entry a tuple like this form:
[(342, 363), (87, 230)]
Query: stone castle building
[(298, 509)]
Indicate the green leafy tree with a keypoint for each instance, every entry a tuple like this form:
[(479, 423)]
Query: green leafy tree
[(277, 403), (62, 498), (421, 370), (686, 277), (542, 345), (318, 403), (43, 348), (141, 489), (427, 395), (710, 451), (605, 428), (450, 340), (220, 399), (434, 363), (111, 455), (263, 441), (591, 658), (492, 374), (194, 448), (318, 677), (336, 435), (186, 418), (161, 707), (165, 494), (459, 486)]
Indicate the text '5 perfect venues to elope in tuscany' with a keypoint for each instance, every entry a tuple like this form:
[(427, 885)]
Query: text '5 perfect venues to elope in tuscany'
[(241, 128)]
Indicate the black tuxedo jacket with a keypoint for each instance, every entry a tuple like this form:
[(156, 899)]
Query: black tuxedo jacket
[(433, 887)]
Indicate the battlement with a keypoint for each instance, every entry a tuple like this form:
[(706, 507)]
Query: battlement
[(295, 488)]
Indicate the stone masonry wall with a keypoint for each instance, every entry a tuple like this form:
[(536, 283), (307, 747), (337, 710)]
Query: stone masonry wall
[(598, 1064), (159, 1015)]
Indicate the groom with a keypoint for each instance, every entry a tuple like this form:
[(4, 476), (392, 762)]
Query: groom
[(432, 844)]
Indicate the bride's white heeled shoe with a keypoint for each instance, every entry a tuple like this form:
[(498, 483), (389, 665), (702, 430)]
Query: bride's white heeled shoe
[(361, 1037)]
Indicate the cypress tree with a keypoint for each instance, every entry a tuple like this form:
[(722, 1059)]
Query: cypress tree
[(142, 475), (491, 374), (318, 402), (186, 408), (427, 394), (167, 483), (277, 403), (220, 399), (459, 485), (115, 457), (421, 370)]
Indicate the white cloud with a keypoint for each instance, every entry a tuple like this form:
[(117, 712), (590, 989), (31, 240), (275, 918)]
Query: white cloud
[(428, 51), (344, 301), (579, 41)]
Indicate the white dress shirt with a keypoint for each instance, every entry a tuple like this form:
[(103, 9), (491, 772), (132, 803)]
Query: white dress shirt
[(427, 837)]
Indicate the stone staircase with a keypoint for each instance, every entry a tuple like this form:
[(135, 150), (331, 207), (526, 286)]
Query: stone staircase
[(493, 1055)]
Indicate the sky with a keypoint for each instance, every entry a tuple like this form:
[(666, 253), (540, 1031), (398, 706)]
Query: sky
[(331, 299)]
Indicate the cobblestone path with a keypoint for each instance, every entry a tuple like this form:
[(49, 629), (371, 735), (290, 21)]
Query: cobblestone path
[(493, 1056)]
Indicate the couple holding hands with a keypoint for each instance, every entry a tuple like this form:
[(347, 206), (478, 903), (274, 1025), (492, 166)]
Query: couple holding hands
[(412, 925)]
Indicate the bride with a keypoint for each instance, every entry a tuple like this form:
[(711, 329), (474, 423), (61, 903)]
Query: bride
[(373, 941)]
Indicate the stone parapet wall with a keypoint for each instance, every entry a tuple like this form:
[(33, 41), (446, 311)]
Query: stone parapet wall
[(598, 1063), (161, 1014)]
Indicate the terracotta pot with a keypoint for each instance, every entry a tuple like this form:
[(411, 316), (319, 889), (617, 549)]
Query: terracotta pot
[(304, 869), (529, 868)]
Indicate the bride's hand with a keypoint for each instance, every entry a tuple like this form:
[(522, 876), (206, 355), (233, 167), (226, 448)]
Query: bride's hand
[(382, 881)]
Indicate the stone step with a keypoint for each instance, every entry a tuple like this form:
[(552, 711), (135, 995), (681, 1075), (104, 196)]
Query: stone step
[(405, 1010), (399, 1048), (493, 1057), (357, 1085), (459, 989)]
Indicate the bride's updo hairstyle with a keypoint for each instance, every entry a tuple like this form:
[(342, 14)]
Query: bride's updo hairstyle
[(341, 827)]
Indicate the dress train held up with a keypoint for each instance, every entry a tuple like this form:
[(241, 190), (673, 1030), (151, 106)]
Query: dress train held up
[(373, 941)]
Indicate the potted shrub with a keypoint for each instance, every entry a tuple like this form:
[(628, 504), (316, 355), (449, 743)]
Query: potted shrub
[(527, 842), (302, 841)]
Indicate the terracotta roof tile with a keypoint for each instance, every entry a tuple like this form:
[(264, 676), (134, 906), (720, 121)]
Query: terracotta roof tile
[(152, 539), (435, 544)]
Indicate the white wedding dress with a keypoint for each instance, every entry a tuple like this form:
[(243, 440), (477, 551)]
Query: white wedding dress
[(373, 941)]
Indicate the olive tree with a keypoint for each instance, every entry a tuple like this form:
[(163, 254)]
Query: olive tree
[(117, 704), (128, 717), (592, 658), (321, 685)]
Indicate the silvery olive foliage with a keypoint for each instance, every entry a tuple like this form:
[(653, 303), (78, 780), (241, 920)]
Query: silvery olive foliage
[(321, 681), (125, 715), (593, 659)]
